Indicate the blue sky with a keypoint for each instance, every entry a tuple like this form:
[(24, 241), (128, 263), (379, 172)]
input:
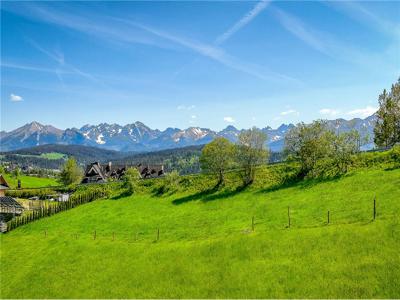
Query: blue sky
[(207, 64)]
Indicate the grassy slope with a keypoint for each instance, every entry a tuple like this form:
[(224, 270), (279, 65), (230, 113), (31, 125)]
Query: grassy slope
[(206, 249), (30, 181), (53, 155)]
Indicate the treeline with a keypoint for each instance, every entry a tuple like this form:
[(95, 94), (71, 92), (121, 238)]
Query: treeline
[(316, 147), (33, 161), (184, 160)]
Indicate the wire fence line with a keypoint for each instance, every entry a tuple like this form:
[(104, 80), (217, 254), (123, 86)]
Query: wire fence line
[(285, 220)]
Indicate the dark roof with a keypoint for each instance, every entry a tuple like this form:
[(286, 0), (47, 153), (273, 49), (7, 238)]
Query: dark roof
[(96, 167), (9, 202), (104, 171), (3, 183)]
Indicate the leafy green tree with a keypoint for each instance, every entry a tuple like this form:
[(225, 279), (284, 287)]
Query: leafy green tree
[(172, 180), (344, 146), (309, 143), (71, 173), (387, 128), (250, 152), (131, 180), (216, 157), (17, 172), (319, 150)]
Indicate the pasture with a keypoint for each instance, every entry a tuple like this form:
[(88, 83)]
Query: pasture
[(30, 181), (206, 244)]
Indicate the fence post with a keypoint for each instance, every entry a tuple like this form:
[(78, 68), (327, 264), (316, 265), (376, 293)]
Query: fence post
[(328, 217), (94, 235), (113, 236), (45, 233), (288, 214), (374, 207), (252, 223), (158, 234)]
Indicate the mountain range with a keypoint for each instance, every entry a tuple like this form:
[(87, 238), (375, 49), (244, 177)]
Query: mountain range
[(140, 138)]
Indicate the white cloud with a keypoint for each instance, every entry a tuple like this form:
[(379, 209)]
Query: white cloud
[(329, 111), (290, 112), (363, 112), (247, 18), (229, 119), (184, 107), (15, 98), (194, 117)]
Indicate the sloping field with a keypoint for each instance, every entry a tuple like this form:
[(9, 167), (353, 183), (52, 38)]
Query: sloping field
[(30, 181), (203, 245)]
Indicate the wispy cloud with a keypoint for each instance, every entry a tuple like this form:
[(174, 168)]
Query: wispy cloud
[(299, 29), (58, 57), (229, 119), (323, 42), (4, 64), (185, 107), (329, 112), (15, 98), (123, 31), (367, 17), (216, 54), (363, 112), (86, 22), (246, 19), (290, 112)]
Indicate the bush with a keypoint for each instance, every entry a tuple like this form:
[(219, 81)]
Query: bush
[(131, 180), (28, 193), (171, 181)]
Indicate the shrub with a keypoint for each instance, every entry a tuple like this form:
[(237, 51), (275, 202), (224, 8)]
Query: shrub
[(131, 180)]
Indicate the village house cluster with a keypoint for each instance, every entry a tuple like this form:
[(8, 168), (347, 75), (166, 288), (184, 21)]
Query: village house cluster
[(96, 172)]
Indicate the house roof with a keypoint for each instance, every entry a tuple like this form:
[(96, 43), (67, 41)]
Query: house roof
[(3, 183), (96, 167), (7, 201)]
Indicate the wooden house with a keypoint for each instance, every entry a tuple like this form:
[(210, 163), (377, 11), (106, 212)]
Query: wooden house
[(96, 172), (3, 186), (9, 207)]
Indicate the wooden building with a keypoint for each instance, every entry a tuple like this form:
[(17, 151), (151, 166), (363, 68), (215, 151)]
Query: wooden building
[(9, 207), (3, 186), (96, 172)]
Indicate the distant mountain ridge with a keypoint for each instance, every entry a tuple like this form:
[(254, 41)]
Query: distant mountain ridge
[(140, 138)]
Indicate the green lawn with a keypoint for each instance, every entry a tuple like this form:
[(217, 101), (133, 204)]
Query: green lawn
[(53, 155), (206, 248), (30, 181)]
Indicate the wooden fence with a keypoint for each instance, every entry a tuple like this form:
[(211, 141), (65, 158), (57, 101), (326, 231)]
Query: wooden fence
[(53, 208)]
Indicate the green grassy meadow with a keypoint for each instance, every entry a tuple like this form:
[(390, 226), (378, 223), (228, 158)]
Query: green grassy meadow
[(30, 181), (53, 155), (207, 248)]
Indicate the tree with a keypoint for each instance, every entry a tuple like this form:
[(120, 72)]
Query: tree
[(172, 180), (250, 152), (71, 173), (216, 157), (387, 128), (344, 146), (17, 172), (131, 180), (308, 144), (319, 150)]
